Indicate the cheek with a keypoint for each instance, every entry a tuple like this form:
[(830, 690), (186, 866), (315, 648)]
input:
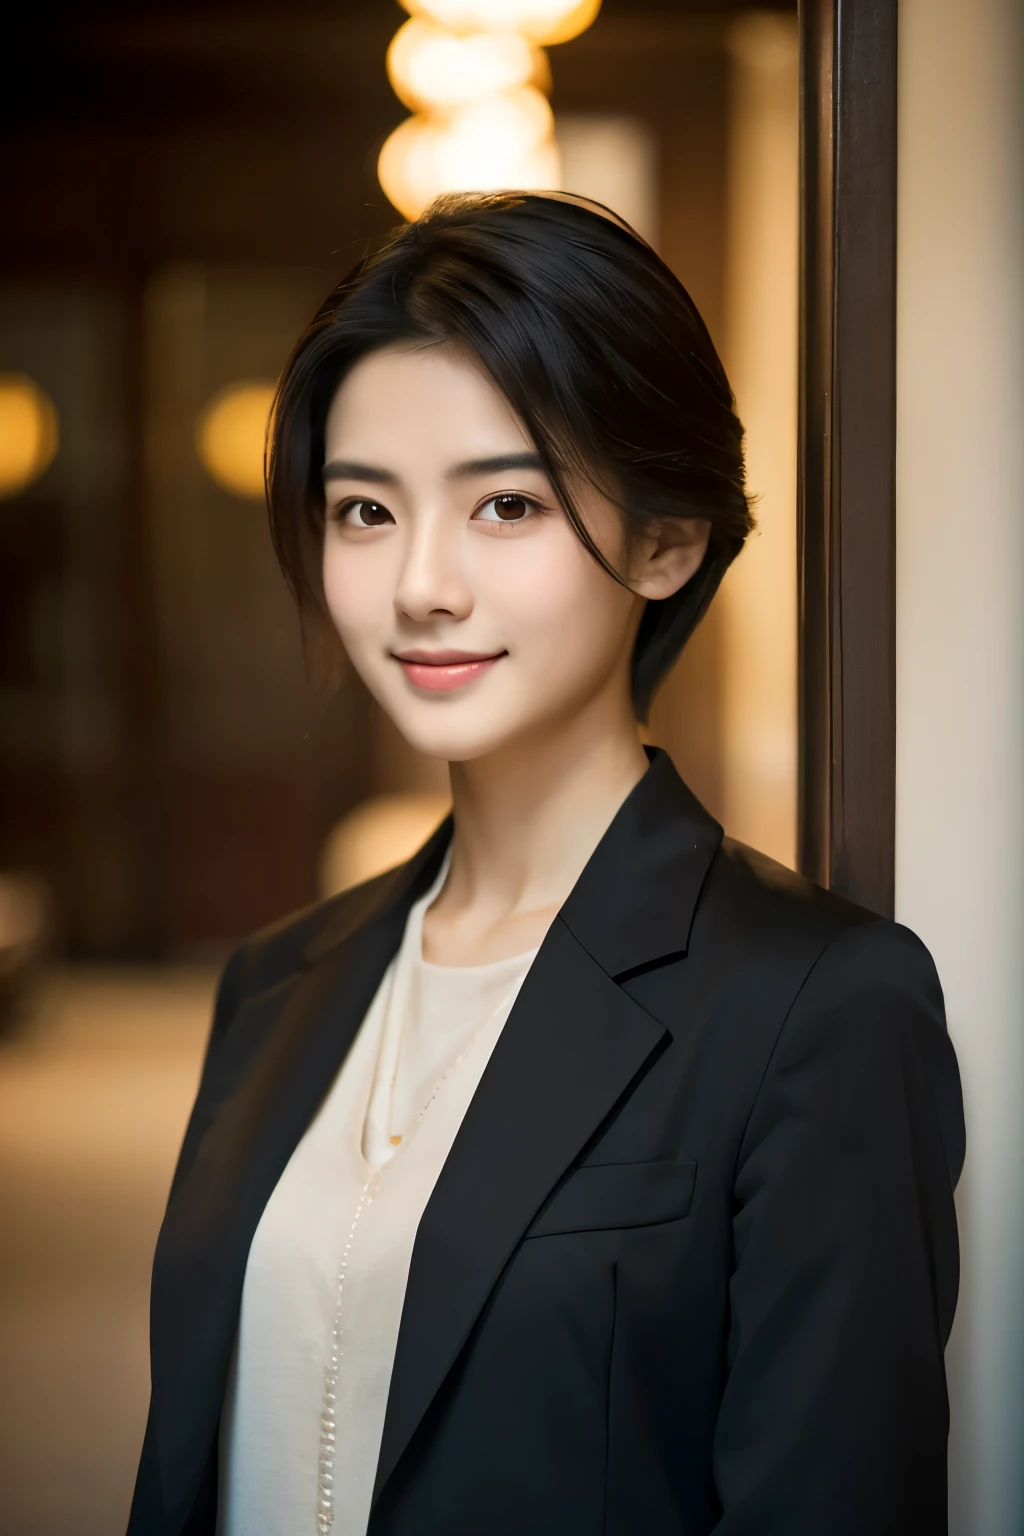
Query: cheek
[(357, 591), (558, 593)]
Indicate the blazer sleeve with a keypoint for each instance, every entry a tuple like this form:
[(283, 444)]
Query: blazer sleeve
[(147, 1514), (834, 1415)]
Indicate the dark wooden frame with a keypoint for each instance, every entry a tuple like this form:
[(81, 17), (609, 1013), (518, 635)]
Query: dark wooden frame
[(847, 450)]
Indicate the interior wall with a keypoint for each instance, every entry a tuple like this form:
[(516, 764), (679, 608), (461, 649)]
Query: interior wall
[(759, 594), (60, 713), (238, 719), (960, 670)]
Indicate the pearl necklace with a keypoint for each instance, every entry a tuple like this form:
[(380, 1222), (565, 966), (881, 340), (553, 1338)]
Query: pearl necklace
[(325, 1509)]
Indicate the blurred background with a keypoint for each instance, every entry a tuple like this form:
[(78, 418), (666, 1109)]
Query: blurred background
[(182, 184)]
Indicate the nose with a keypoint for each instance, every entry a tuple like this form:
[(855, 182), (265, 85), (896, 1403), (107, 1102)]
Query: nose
[(431, 582)]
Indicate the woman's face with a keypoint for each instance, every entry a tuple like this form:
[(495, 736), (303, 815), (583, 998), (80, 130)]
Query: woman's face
[(463, 596)]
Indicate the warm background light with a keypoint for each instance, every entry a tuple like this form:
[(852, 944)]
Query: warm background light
[(431, 68), (542, 21), (758, 602), (29, 434), (476, 76), (377, 835), (502, 141), (612, 160), (230, 437)]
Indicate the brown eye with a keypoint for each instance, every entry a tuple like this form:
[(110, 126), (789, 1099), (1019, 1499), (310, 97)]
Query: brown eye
[(365, 514), (507, 508)]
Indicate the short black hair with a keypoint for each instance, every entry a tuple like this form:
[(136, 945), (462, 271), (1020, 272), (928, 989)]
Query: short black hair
[(598, 349)]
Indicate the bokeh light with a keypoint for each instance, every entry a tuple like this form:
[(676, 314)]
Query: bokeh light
[(506, 140), (433, 69), (475, 74), (29, 432), (378, 834), (542, 21), (231, 434)]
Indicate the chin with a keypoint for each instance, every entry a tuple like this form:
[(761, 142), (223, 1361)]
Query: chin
[(451, 740), (485, 720), (458, 730)]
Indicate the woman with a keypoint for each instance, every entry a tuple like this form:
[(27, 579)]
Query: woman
[(590, 1173)]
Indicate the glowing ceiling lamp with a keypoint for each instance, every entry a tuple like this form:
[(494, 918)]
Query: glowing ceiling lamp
[(431, 69), (29, 432), (503, 141), (476, 76), (230, 436), (542, 21)]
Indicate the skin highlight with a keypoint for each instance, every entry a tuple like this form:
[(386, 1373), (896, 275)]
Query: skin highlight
[(487, 632)]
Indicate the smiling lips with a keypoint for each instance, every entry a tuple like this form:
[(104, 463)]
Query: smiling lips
[(441, 671)]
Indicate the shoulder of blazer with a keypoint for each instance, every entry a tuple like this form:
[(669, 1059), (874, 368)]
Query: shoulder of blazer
[(274, 953), (768, 883), (278, 952), (754, 898), (761, 908), (849, 969), (767, 915), (760, 930)]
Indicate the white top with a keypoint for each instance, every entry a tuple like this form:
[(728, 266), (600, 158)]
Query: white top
[(327, 1270)]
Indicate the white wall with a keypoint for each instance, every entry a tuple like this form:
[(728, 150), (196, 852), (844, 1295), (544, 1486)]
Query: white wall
[(960, 671)]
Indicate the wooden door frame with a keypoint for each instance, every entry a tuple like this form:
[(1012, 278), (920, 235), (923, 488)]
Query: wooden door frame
[(847, 447)]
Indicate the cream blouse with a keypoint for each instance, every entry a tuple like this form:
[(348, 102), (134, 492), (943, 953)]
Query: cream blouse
[(327, 1270)]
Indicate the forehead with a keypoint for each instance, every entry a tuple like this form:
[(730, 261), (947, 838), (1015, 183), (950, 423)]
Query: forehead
[(434, 400)]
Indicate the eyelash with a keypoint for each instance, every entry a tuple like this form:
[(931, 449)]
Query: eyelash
[(509, 522), (340, 513)]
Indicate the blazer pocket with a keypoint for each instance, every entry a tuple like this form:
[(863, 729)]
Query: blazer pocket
[(607, 1195)]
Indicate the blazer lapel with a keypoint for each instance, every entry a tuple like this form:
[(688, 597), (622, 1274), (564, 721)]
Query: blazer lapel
[(573, 1044)]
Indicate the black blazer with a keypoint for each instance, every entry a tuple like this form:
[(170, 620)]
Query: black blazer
[(692, 1261)]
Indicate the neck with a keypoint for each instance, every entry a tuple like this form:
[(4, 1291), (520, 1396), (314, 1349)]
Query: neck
[(528, 818)]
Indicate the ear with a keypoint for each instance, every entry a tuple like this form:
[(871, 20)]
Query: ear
[(667, 554)]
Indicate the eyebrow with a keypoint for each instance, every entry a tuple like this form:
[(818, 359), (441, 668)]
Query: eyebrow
[(349, 469), (496, 466)]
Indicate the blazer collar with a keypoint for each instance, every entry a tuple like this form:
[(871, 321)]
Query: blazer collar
[(635, 901), (574, 1045)]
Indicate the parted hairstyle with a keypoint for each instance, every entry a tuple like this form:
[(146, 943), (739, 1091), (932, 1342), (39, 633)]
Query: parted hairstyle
[(596, 346)]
